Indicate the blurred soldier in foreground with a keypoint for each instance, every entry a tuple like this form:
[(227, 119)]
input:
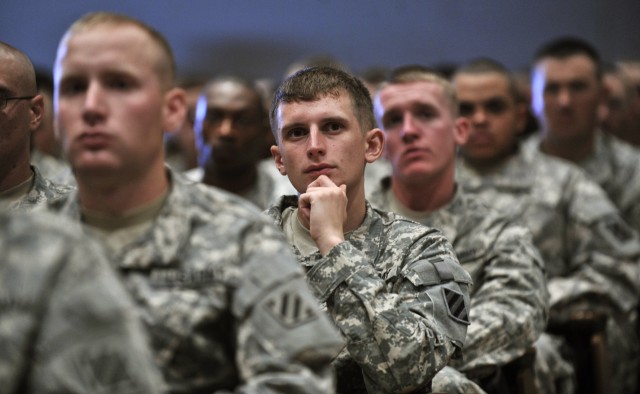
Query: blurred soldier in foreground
[(224, 302), (66, 323)]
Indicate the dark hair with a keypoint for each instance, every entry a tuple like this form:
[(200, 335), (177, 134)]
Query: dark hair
[(564, 47), (313, 83), (44, 80)]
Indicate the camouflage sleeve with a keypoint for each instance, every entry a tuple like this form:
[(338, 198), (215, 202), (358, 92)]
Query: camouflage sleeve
[(510, 307), (90, 339), (285, 343), (400, 337), (604, 257)]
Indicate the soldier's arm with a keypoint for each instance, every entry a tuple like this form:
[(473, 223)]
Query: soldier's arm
[(510, 307), (90, 339), (284, 342), (400, 337), (603, 253)]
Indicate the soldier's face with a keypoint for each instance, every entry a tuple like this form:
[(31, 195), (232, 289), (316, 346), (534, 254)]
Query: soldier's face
[(495, 118), (323, 137), (20, 117), (111, 106), (565, 96), (421, 134), (231, 129)]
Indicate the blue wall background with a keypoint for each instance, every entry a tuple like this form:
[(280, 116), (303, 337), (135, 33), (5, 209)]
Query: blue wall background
[(259, 38)]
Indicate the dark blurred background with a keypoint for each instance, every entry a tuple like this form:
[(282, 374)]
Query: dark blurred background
[(260, 38)]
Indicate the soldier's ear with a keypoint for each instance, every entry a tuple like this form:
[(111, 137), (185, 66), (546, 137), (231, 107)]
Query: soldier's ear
[(277, 158), (374, 145), (461, 130), (175, 109)]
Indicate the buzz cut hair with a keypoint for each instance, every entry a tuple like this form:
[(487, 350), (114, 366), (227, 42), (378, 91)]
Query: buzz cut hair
[(485, 65), (564, 47), (418, 73), (165, 65)]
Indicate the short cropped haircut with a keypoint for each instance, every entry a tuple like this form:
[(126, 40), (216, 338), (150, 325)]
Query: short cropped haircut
[(165, 66), (26, 79), (418, 73), (314, 83), (564, 47), (486, 65)]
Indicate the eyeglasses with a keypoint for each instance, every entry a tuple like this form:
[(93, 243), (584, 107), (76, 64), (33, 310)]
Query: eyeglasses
[(5, 100)]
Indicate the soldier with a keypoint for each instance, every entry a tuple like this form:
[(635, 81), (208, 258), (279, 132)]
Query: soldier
[(567, 81), (393, 287), (232, 128), (225, 304), (590, 253), (418, 111), (22, 187), (66, 322)]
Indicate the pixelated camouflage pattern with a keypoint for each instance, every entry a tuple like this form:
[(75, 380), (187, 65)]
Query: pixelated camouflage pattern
[(554, 374), (451, 381), (66, 322), (226, 305), (509, 301), (591, 254), (385, 288), (42, 191), (56, 170), (615, 166)]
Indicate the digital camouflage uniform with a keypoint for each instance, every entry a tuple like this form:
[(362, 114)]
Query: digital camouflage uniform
[(66, 322), (42, 191), (509, 302), (52, 168), (399, 296), (615, 166), (591, 254), (224, 301)]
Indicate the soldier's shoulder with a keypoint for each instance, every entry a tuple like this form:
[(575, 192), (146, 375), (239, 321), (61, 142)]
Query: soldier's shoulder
[(395, 225), (212, 201)]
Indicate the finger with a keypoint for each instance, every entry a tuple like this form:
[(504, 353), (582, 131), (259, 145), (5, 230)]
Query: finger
[(321, 181)]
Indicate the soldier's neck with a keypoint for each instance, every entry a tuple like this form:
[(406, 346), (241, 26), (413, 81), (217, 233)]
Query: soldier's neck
[(572, 149), (427, 195), (117, 194), (237, 181)]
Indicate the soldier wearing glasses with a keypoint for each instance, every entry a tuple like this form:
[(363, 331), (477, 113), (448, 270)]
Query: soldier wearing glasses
[(22, 187)]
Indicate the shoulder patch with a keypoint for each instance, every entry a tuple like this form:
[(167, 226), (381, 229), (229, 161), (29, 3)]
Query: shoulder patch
[(290, 309), (456, 307)]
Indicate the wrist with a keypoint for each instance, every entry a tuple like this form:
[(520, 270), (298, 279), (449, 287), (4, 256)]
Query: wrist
[(326, 244)]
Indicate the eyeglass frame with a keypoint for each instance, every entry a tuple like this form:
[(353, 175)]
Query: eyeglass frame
[(6, 100)]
